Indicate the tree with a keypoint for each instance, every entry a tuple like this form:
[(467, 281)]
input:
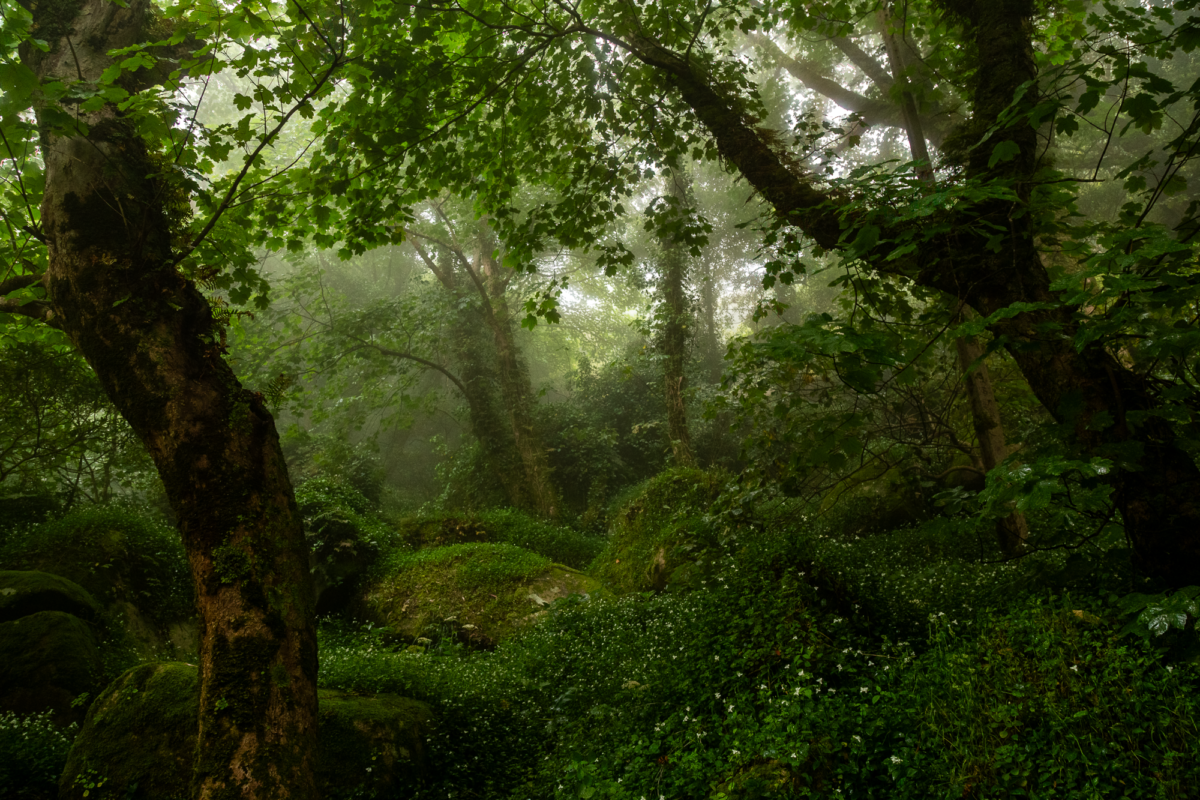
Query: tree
[(112, 217), (662, 86)]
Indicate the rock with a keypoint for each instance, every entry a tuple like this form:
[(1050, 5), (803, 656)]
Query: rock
[(479, 593), (134, 568), (47, 660), (25, 592), (139, 740), (656, 539), (370, 744)]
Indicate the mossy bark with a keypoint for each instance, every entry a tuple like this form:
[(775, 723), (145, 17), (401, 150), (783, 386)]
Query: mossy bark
[(1106, 407), (150, 337), (517, 390), (673, 336)]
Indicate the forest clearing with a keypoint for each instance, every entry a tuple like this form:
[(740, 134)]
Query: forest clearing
[(599, 399)]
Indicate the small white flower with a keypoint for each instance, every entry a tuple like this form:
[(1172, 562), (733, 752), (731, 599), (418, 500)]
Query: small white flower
[(863, 689), (895, 760)]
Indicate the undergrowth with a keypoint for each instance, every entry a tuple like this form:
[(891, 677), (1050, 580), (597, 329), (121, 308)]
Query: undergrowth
[(909, 664)]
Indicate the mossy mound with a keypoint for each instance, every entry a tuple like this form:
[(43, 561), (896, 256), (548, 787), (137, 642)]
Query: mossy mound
[(344, 537), (116, 554), (479, 592), (559, 543), (657, 534), (47, 660), (25, 592), (139, 740), (135, 569)]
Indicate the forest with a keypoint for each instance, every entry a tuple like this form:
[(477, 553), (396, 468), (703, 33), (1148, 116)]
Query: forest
[(531, 399)]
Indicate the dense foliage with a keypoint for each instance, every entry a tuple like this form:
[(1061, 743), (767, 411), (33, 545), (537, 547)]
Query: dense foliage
[(832, 367)]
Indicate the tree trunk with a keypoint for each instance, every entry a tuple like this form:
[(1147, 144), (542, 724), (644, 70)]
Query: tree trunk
[(710, 334), (674, 328), (150, 337), (488, 424), (1156, 483), (517, 391), (1013, 530), (511, 449)]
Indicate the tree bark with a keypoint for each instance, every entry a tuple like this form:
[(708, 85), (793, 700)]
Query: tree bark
[(674, 334), (1013, 530), (1156, 483), (517, 389), (477, 379), (151, 338)]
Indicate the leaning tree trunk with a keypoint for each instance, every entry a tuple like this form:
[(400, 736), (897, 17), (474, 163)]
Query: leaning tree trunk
[(1013, 530), (151, 339), (1104, 404), (674, 336)]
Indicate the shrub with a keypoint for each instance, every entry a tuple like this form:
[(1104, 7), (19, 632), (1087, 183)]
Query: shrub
[(333, 509), (33, 751)]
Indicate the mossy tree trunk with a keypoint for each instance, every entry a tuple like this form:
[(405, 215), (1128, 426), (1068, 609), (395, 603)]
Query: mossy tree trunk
[(505, 430), (151, 338), (1013, 530), (673, 333), (710, 333), (1106, 407), (477, 377), (515, 385)]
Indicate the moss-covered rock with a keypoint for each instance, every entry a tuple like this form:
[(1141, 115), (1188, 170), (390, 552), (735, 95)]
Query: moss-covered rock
[(114, 553), (659, 532), (139, 740), (47, 660), (370, 746), (559, 543), (134, 568), (25, 592), (479, 592)]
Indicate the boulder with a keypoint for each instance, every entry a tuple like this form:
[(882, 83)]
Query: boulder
[(134, 568), (25, 592), (659, 537), (48, 659), (139, 738), (479, 593)]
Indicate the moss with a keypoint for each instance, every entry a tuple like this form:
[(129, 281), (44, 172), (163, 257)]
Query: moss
[(559, 543), (139, 740), (477, 592), (654, 535), (27, 592), (114, 554), (47, 660)]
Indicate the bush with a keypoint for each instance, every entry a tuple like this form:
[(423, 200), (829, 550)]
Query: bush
[(333, 509), (783, 675), (33, 751), (113, 552)]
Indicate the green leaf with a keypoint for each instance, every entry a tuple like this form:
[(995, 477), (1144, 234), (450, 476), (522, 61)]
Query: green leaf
[(1005, 151)]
